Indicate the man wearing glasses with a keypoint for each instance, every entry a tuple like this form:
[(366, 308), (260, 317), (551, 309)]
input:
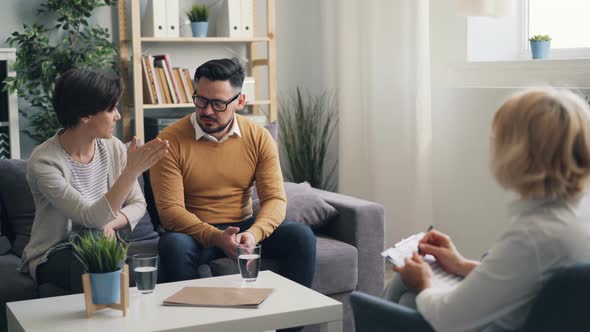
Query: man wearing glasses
[(203, 186)]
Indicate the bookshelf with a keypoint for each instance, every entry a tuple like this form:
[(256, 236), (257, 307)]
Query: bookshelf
[(9, 127), (133, 46)]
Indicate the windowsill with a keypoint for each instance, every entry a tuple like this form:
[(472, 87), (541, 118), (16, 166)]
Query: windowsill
[(518, 73), (530, 62)]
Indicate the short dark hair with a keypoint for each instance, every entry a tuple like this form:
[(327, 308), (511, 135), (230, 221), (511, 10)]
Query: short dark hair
[(222, 70), (80, 92)]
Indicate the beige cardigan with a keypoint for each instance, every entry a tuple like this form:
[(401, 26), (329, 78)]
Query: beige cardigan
[(58, 204)]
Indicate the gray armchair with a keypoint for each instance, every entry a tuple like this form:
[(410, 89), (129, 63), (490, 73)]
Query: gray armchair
[(374, 314), (562, 305)]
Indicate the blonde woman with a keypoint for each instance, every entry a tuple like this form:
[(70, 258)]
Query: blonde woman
[(540, 150)]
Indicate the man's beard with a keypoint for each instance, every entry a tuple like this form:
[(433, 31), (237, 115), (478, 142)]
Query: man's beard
[(213, 130)]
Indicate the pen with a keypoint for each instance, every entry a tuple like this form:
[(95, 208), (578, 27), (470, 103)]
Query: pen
[(431, 227)]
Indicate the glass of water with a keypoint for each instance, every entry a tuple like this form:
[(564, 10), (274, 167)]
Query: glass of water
[(249, 262), (145, 269)]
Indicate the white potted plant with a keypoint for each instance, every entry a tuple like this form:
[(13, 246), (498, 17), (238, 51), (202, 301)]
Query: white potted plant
[(102, 259), (198, 15), (540, 46)]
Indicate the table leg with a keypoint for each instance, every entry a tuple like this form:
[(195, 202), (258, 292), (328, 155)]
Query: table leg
[(334, 326)]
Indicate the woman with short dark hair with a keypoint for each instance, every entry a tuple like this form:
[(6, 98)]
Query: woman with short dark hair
[(83, 177)]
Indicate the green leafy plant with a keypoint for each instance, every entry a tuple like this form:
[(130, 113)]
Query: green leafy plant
[(306, 128), (198, 13), (540, 38), (99, 254), (44, 53)]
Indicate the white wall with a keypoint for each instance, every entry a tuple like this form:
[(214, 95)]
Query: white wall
[(468, 204), (300, 55)]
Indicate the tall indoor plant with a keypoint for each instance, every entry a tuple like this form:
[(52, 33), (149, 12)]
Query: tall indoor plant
[(44, 52), (306, 128)]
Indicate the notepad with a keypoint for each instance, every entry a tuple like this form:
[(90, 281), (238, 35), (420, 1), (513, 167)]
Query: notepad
[(406, 247), (219, 297)]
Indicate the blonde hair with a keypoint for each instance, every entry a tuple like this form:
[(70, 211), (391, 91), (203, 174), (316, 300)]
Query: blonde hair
[(541, 144)]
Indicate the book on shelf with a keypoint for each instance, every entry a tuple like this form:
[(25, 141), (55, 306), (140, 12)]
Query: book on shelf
[(166, 64), (163, 83), (160, 63), (189, 80), (154, 79), (187, 89), (148, 92), (181, 90)]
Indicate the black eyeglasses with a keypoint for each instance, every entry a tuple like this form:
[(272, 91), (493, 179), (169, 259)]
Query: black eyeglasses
[(216, 104)]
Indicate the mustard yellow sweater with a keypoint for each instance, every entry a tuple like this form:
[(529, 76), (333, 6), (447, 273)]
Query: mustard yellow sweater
[(203, 183)]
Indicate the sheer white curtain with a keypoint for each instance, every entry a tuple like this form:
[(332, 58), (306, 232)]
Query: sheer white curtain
[(379, 57)]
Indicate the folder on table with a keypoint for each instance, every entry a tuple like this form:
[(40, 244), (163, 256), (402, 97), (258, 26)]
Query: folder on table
[(219, 297)]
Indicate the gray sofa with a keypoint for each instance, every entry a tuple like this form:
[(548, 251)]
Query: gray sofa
[(348, 245)]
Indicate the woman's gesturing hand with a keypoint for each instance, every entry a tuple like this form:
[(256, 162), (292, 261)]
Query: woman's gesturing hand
[(141, 158)]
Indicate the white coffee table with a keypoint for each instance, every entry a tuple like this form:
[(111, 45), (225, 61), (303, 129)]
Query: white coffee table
[(289, 305)]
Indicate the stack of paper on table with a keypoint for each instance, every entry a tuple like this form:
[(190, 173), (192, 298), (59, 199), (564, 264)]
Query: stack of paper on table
[(219, 297), (405, 248)]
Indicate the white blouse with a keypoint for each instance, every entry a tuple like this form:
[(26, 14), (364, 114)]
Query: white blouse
[(497, 295)]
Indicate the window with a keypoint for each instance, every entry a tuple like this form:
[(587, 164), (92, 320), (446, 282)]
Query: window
[(505, 38), (566, 21)]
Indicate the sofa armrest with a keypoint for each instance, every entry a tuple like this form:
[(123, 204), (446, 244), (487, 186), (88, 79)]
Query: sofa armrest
[(361, 224)]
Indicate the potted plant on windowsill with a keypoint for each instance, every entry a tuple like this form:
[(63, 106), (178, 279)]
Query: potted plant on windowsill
[(198, 15), (102, 259), (540, 46)]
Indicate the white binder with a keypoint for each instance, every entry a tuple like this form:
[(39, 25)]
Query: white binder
[(154, 20), (172, 19), (247, 18), (228, 22)]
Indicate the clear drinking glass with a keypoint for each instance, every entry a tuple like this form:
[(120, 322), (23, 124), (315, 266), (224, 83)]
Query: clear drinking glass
[(145, 268), (249, 262)]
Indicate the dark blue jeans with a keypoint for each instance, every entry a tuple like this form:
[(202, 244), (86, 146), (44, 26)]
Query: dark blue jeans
[(292, 244)]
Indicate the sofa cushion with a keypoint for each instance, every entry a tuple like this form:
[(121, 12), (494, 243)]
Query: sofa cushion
[(144, 230), (18, 202), (303, 205), (15, 286), (336, 268)]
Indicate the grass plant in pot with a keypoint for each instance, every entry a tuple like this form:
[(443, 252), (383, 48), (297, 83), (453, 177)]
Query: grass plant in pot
[(306, 126), (540, 46), (102, 259), (198, 15)]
